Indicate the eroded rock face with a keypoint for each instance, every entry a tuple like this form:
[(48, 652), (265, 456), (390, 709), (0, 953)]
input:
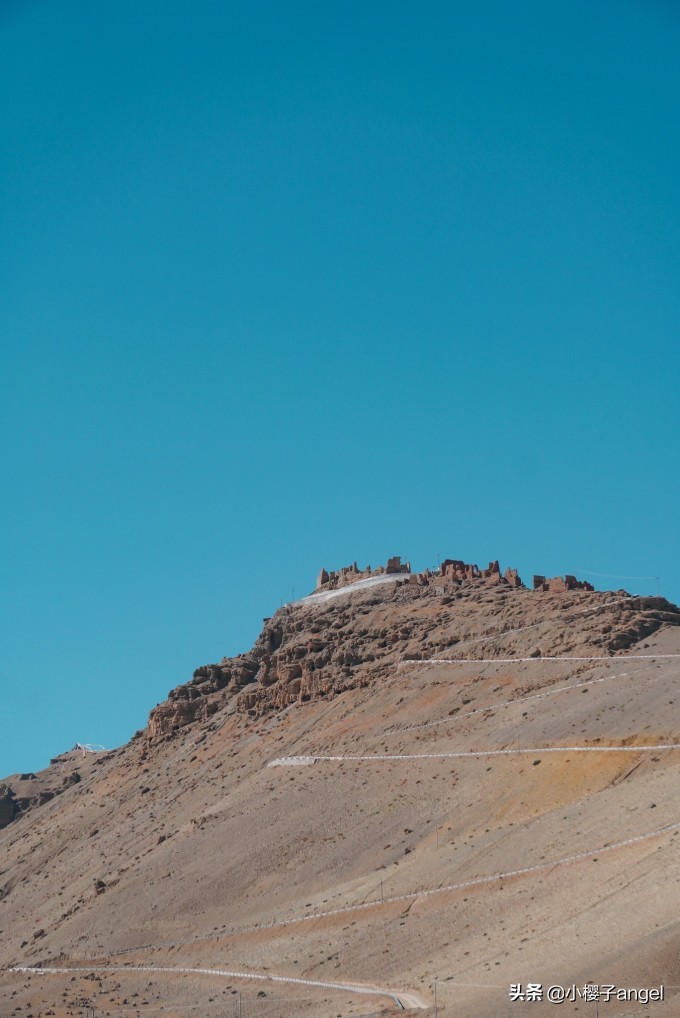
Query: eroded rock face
[(310, 651), (8, 806), (20, 793), (200, 698)]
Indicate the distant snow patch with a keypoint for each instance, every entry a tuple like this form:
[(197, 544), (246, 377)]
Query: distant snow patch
[(371, 581), (292, 761)]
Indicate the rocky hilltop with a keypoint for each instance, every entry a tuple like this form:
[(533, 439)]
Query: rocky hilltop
[(322, 646), (475, 783)]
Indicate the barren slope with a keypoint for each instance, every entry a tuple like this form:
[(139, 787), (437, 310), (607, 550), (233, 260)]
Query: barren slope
[(207, 857)]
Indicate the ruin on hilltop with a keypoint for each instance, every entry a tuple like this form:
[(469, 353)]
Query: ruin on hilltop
[(560, 584), (350, 574), (455, 570)]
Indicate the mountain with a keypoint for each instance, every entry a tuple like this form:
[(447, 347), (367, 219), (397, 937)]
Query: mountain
[(413, 784)]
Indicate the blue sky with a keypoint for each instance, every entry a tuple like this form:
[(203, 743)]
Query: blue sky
[(289, 285)]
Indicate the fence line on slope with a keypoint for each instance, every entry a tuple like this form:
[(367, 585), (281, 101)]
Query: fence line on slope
[(297, 761), (510, 703), (464, 885), (413, 895), (528, 660)]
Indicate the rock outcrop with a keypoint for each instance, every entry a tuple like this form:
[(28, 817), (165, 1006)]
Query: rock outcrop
[(21, 793), (8, 806), (313, 650), (200, 698)]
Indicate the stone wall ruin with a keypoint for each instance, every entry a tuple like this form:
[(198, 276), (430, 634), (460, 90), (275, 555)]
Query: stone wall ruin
[(560, 584)]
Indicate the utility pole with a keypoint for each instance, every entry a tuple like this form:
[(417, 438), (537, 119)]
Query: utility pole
[(435, 999), (239, 1004)]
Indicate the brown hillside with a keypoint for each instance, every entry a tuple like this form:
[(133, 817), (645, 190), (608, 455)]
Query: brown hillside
[(184, 849)]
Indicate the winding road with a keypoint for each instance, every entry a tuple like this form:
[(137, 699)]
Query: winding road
[(403, 999)]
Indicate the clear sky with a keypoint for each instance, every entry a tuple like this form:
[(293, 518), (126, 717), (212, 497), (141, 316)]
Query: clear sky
[(285, 285)]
